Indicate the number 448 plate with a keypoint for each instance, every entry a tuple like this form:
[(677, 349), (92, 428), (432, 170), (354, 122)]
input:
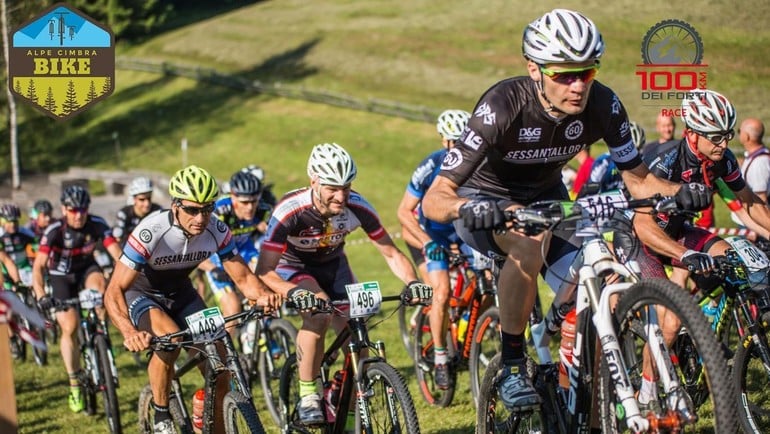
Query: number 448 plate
[(365, 298), (206, 325)]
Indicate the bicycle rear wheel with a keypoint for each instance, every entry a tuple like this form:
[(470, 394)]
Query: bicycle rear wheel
[(751, 372), (406, 325), (281, 343), (145, 413), (486, 344), (391, 408), (425, 367), (633, 312), (240, 415), (108, 384), (492, 417)]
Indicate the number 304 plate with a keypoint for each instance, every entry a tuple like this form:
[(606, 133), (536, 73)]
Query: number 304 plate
[(206, 325), (365, 298)]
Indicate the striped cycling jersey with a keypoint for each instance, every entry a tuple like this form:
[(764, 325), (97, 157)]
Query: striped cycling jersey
[(71, 250)]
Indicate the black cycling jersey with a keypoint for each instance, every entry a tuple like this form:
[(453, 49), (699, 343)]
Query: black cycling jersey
[(127, 220), (71, 250), (18, 245), (677, 161), (512, 149)]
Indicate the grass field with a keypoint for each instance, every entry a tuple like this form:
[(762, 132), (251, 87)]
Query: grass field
[(434, 54)]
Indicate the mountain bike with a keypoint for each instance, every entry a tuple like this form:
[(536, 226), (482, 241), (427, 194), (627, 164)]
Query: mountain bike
[(99, 373), (19, 345), (274, 341), (382, 398), (603, 393), (469, 298), (203, 337)]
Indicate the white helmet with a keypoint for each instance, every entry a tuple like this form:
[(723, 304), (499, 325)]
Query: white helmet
[(140, 185), (256, 171), (451, 123), (331, 164), (560, 36), (637, 134), (706, 111)]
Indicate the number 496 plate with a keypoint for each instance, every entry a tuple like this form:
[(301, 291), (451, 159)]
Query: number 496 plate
[(365, 298)]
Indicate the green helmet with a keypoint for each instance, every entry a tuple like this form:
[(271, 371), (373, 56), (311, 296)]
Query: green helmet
[(194, 184)]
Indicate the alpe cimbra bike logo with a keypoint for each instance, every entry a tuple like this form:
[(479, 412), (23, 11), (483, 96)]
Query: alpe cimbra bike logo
[(62, 62)]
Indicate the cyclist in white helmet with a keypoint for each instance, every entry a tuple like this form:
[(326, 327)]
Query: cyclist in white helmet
[(303, 259), (522, 132), (140, 192), (428, 241)]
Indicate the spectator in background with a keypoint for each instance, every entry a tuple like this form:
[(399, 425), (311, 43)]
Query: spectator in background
[(756, 165), (666, 128)]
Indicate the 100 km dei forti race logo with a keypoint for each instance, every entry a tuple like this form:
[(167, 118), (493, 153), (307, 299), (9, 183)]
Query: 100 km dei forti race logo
[(62, 62), (671, 67)]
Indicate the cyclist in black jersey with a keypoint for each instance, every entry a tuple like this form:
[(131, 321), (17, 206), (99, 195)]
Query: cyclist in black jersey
[(151, 294), (17, 243), (40, 216), (67, 253), (142, 205), (302, 257), (522, 132), (700, 156)]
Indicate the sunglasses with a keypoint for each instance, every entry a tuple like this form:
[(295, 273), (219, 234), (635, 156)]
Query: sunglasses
[(14, 221), (717, 138), (195, 210), (569, 76), (77, 210)]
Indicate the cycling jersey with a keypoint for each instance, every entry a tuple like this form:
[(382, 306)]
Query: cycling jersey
[(245, 232), (18, 246), (71, 250), (165, 255), (126, 221), (677, 162), (512, 149), (605, 174), (299, 231)]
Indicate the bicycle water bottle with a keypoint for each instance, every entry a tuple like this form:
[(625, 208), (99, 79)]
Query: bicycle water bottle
[(248, 336), (197, 409), (565, 351), (462, 326)]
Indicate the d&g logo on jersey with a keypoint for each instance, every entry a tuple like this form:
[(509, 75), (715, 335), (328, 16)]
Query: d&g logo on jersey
[(574, 129), (529, 135), (452, 160), (62, 62)]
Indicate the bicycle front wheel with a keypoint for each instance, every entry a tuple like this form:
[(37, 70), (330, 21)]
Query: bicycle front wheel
[(108, 384), (145, 413), (391, 408), (240, 415), (751, 372), (281, 337), (642, 305), (486, 343)]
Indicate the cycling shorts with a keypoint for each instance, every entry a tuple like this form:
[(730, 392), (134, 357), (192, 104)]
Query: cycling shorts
[(68, 285), (331, 276), (177, 305), (417, 257)]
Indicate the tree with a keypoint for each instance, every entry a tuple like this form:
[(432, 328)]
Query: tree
[(70, 104), (107, 86), (31, 91), (17, 87), (91, 95), (50, 102)]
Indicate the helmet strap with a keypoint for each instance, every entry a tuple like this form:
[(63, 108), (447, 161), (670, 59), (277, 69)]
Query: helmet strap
[(540, 85)]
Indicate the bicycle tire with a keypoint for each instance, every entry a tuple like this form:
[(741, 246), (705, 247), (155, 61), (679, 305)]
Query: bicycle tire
[(424, 365), (386, 383), (405, 315), (486, 343), (87, 381), (144, 413), (108, 386), (751, 358), (40, 355), (662, 292), (283, 334), (288, 391), (235, 404), (492, 417)]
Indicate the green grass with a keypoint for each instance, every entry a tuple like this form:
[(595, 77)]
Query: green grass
[(434, 54)]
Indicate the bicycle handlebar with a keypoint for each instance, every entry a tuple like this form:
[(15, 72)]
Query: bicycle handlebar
[(166, 342)]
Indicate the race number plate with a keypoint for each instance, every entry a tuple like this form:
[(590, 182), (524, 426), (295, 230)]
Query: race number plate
[(206, 325), (365, 298), (25, 275), (90, 298), (602, 205), (754, 258)]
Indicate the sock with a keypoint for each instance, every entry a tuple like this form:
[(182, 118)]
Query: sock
[(649, 390), (161, 413), (440, 356), (513, 347), (307, 388), (74, 379)]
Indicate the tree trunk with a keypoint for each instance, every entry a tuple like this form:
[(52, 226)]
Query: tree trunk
[(15, 177)]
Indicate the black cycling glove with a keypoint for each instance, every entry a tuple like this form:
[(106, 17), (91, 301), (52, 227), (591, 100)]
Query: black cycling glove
[(481, 214), (303, 299), (45, 303), (697, 262), (693, 197), (417, 292)]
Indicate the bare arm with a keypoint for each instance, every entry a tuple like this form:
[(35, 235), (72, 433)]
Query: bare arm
[(249, 284), (115, 299), (38, 280), (412, 232), (10, 266), (115, 251), (268, 261), (641, 183), (441, 202), (652, 236), (755, 207), (398, 262)]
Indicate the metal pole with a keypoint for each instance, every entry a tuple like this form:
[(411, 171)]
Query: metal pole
[(184, 152)]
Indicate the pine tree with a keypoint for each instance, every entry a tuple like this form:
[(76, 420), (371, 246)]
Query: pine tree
[(17, 87), (31, 91), (107, 86), (50, 102), (92, 95), (70, 104)]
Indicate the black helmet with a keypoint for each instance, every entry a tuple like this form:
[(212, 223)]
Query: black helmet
[(245, 184), (43, 206), (10, 211), (75, 196)]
